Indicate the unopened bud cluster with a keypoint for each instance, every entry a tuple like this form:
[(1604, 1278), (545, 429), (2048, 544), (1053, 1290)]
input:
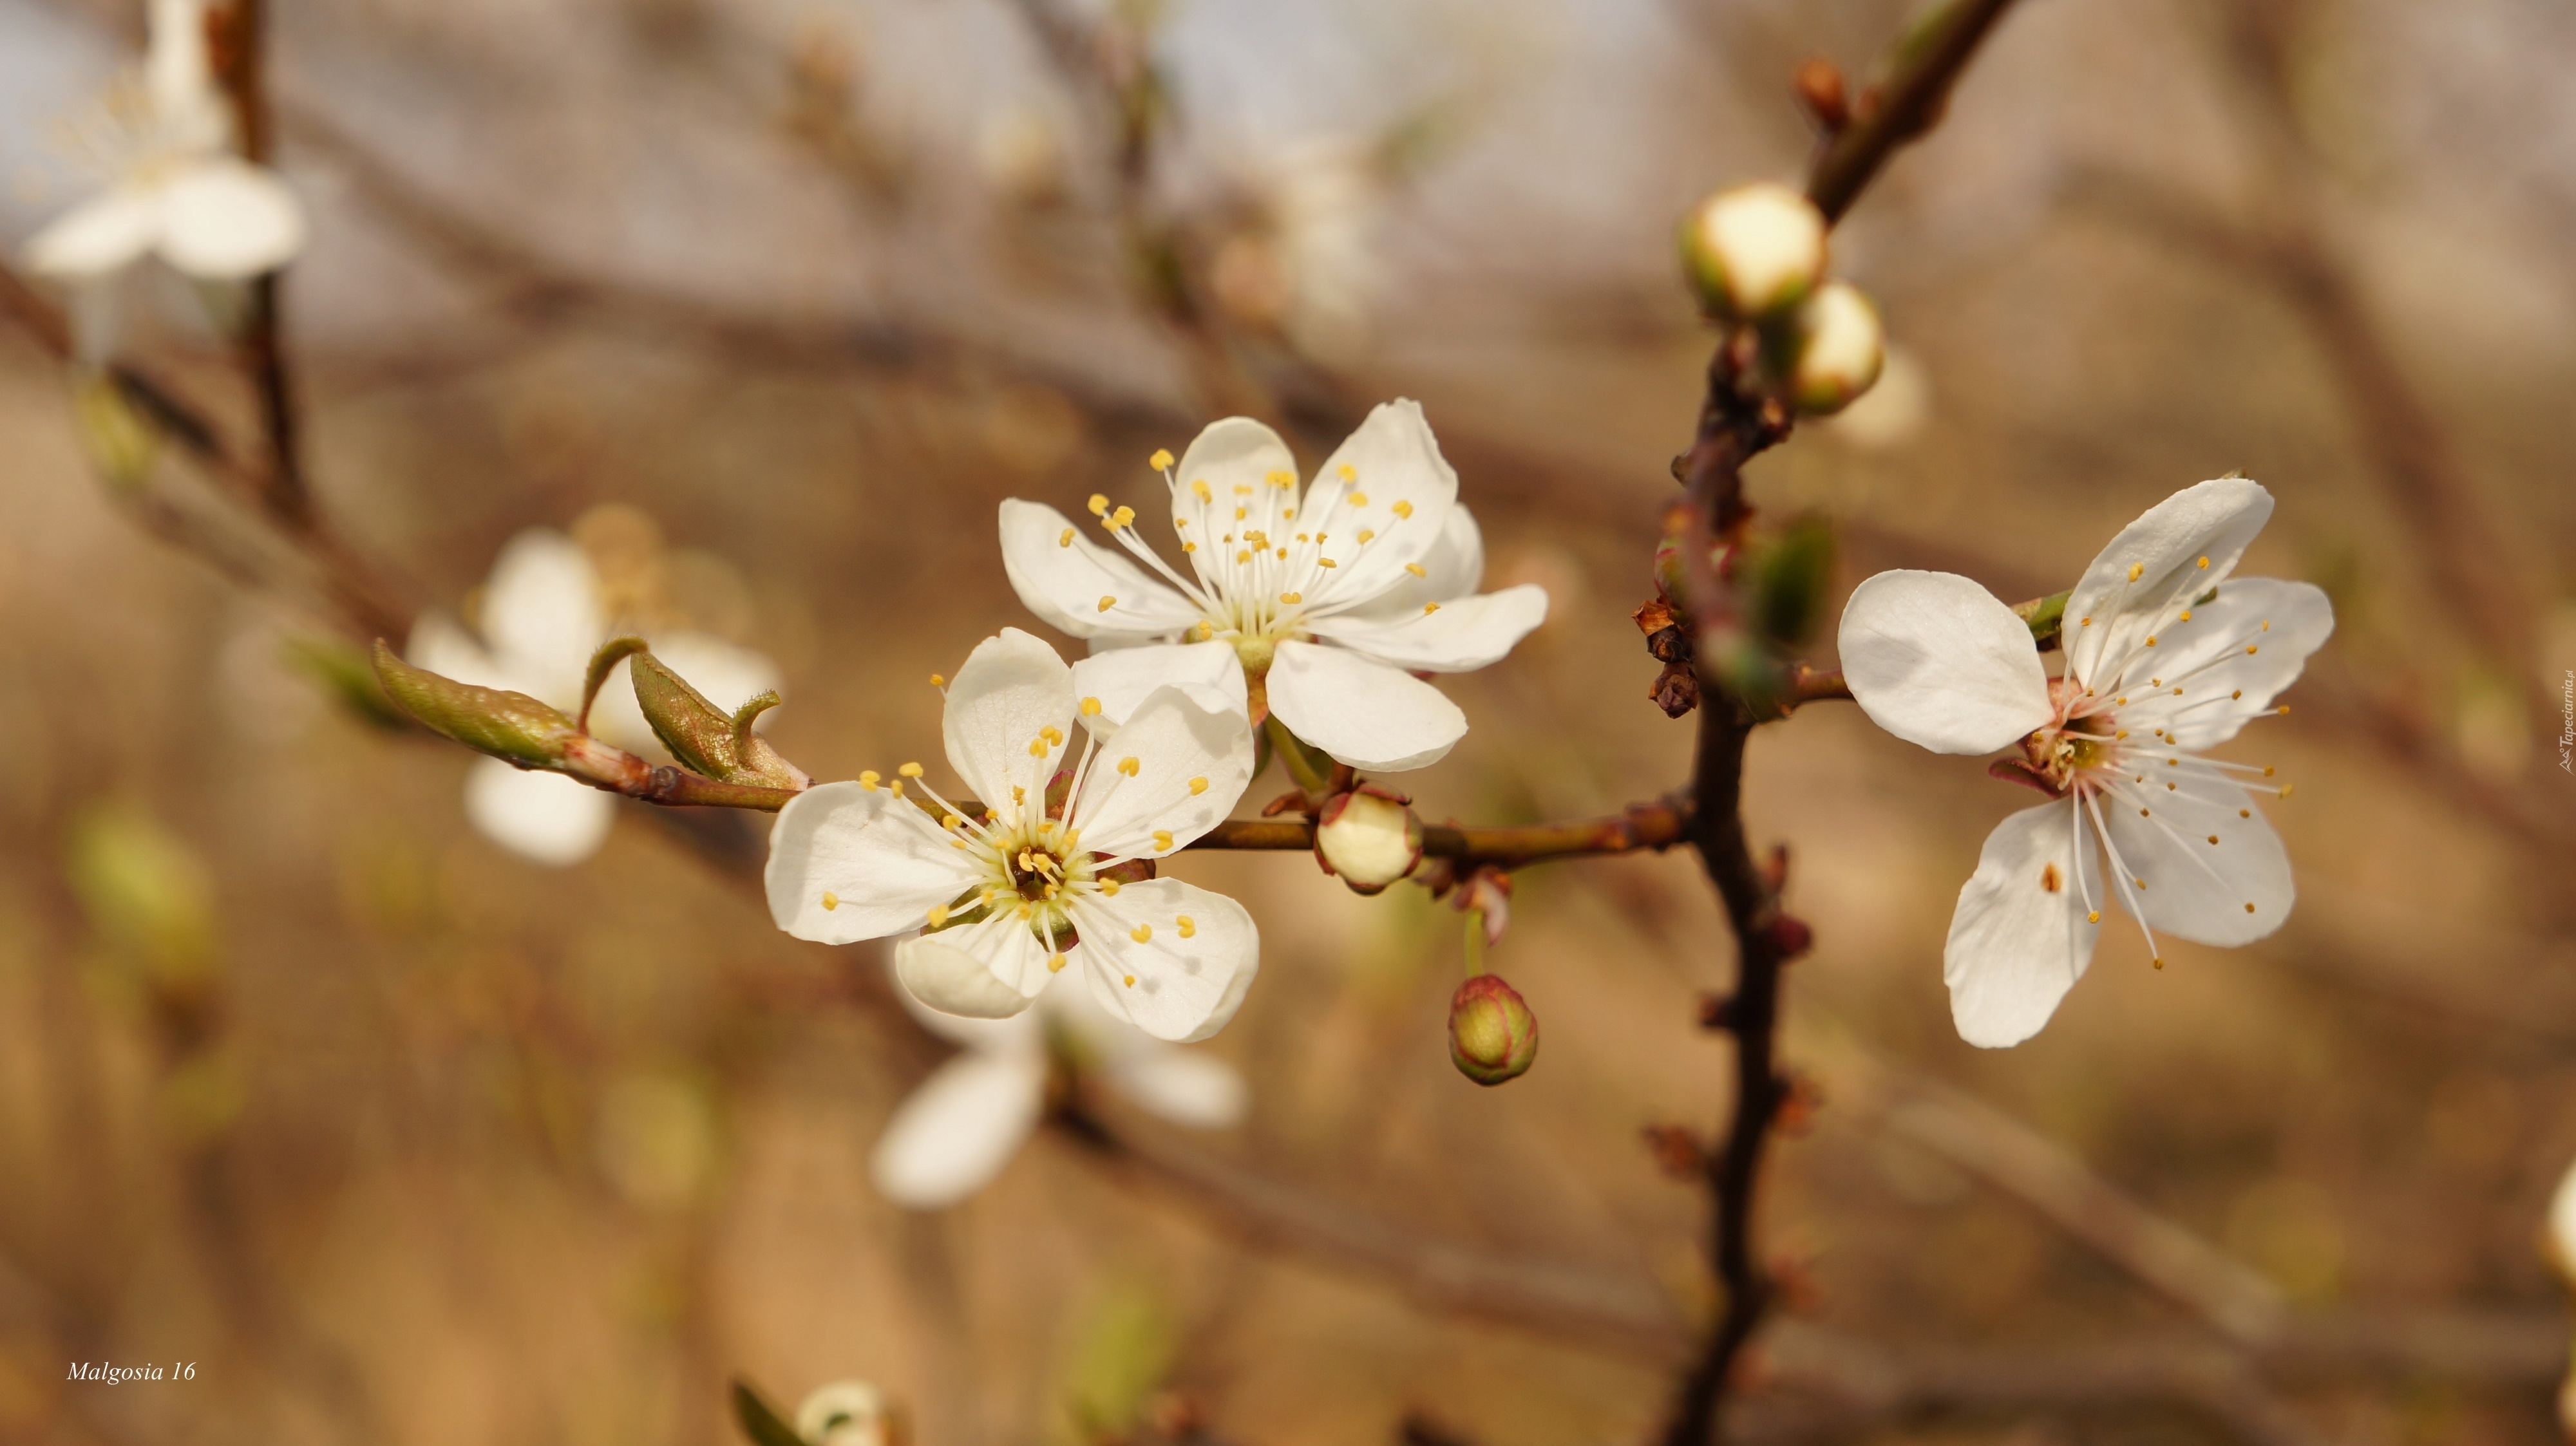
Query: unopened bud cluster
[(1757, 256)]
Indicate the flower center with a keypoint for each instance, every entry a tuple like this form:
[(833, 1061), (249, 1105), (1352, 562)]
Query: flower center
[(2082, 748)]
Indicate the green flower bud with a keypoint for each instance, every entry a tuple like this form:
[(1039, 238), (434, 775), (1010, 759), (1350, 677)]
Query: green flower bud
[(1841, 349), (1368, 838), (1493, 1037), (512, 727), (1754, 250)]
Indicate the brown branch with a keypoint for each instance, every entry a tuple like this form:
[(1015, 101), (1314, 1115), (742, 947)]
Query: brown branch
[(241, 67), (1732, 429), (1656, 826)]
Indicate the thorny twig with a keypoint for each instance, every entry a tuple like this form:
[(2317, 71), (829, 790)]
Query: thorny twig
[(1732, 429)]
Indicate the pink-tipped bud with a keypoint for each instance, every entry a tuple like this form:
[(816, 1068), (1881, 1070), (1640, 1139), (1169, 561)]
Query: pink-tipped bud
[(1492, 1034), (1368, 838)]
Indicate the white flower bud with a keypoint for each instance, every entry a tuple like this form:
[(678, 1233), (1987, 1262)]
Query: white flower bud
[(1841, 347), (846, 1413), (1368, 838), (1754, 250)]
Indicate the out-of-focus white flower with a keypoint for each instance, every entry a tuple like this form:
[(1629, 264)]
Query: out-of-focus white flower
[(847, 1413), (1323, 199), (542, 618), (957, 1131), (173, 187), (2561, 1246), (1893, 412), (1754, 250), (2165, 657), (1317, 605), (1036, 877)]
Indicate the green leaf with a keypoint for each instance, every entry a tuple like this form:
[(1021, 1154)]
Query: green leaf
[(759, 1421), (703, 736), (512, 727)]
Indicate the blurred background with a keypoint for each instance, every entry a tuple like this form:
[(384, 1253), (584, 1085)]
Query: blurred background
[(400, 1138)]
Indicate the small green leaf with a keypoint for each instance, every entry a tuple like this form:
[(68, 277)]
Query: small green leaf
[(703, 736), (610, 654), (512, 727), (759, 1421)]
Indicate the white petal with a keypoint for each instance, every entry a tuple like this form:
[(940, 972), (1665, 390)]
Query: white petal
[(1012, 690), (1193, 755), (2562, 1222), (1936, 660), (1453, 568), (228, 220), (879, 859), (1121, 677), (542, 613), (1185, 988), (1064, 577), (1184, 1086), (1021, 1032), (2017, 945), (1362, 712), (990, 969), (440, 644), (1463, 635), (543, 817), (2195, 889), (105, 233), (2222, 684), (1396, 464), (2166, 546), (1235, 452), (957, 1131)]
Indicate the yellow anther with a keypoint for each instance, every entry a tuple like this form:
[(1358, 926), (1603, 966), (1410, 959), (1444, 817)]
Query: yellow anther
[(1161, 461), (1163, 836), (1055, 963), (868, 779), (1090, 707), (1198, 786), (1292, 597), (1242, 489), (2155, 682), (2123, 733), (1026, 908), (2204, 564), (1180, 522), (1348, 472), (1283, 480), (1241, 513), (2173, 763), (1326, 562), (1131, 981), (1189, 927), (910, 770), (2252, 648), (1283, 554), (2244, 813), (1200, 489), (2284, 708), (1038, 747), (1018, 795), (1052, 734), (2213, 838), (831, 900), (895, 788), (1430, 608), (2285, 789), (1301, 537), (1142, 933), (2169, 788), (2177, 692), (1109, 888), (1206, 630), (1417, 569), (2084, 622), (2093, 916), (2151, 640), (1051, 891), (1098, 504), (2142, 813), (1189, 547), (939, 680), (2239, 693), (2186, 616), (2137, 570), (1066, 540), (1123, 517), (1287, 513), (2120, 702), (2160, 963), (1107, 602), (2249, 906), (2267, 770), (1359, 499), (1365, 536), (1243, 557), (1402, 508), (1128, 766), (938, 914)]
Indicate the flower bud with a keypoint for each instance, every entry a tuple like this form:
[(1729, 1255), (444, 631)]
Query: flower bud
[(512, 727), (1754, 250), (1841, 348), (1492, 1034), (1368, 838), (704, 738)]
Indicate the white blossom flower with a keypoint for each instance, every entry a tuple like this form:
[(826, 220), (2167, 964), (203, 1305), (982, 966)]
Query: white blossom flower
[(962, 1125), (1317, 605), (1010, 889), (544, 613), (174, 187), (2166, 656)]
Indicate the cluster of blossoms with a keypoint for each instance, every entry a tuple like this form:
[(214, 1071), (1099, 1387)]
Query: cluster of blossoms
[(172, 186)]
